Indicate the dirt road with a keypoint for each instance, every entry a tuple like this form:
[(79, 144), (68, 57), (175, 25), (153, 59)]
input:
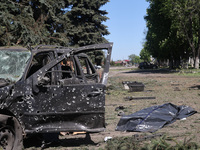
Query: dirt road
[(165, 86)]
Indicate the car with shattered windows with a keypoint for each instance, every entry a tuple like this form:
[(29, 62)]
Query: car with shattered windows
[(50, 89)]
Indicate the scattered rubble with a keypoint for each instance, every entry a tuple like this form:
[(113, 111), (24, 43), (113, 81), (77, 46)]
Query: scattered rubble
[(119, 108)]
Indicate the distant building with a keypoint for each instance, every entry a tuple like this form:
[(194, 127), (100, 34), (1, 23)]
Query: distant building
[(123, 62)]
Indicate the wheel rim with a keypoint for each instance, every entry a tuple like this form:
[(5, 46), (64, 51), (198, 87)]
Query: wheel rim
[(6, 138)]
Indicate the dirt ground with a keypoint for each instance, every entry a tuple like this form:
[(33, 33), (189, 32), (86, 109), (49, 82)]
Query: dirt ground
[(165, 86)]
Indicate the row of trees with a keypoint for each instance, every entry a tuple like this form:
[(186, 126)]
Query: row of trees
[(63, 22), (144, 56), (173, 30)]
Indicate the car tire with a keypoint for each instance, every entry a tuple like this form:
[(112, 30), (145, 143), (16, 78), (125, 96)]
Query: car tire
[(11, 134)]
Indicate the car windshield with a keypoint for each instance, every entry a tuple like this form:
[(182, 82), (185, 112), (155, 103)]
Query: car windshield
[(13, 63)]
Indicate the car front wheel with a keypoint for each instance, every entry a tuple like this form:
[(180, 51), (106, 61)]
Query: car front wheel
[(7, 138), (10, 135)]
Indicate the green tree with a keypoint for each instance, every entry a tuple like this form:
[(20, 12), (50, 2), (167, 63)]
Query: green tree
[(134, 59), (158, 30), (145, 55), (64, 22), (173, 30), (86, 20), (86, 25), (112, 63), (32, 22), (186, 17), (161, 40)]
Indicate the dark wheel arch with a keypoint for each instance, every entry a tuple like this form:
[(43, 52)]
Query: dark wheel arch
[(11, 137)]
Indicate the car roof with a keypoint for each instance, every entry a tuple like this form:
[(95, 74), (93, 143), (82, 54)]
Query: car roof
[(59, 49), (44, 48), (13, 48), (62, 49)]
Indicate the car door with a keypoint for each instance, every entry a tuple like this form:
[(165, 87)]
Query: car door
[(30, 95), (89, 97), (68, 103), (83, 104)]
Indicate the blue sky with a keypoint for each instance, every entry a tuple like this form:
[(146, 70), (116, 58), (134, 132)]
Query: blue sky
[(126, 26)]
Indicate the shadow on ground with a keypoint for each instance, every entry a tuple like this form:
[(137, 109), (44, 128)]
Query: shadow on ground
[(197, 87), (150, 71), (38, 141)]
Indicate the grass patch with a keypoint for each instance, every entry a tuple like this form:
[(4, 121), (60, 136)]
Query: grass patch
[(124, 69), (121, 143), (115, 83), (189, 72), (163, 143)]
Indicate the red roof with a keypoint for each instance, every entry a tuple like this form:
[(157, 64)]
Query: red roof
[(118, 62)]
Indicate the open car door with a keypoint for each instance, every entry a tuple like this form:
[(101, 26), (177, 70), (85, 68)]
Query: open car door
[(69, 92), (107, 49)]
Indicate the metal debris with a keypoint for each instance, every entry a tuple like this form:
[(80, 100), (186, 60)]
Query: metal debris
[(120, 113), (133, 86), (136, 86), (119, 108), (139, 98), (125, 84)]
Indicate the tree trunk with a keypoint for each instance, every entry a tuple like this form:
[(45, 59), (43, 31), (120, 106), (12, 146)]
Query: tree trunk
[(196, 65), (196, 57), (196, 62), (171, 63), (177, 63), (191, 61)]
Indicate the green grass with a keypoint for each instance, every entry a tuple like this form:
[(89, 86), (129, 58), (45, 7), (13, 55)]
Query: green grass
[(189, 72), (163, 143), (124, 69)]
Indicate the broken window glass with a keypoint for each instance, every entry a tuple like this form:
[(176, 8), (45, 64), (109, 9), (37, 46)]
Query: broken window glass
[(12, 64)]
